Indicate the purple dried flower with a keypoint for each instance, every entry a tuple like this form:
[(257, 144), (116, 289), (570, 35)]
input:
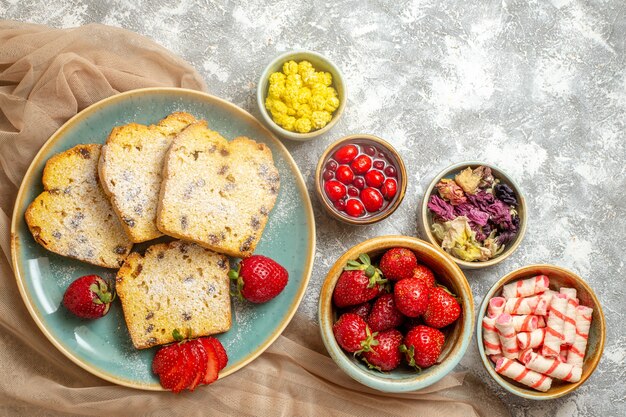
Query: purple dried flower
[(472, 213), (441, 208), (505, 193), (481, 200)]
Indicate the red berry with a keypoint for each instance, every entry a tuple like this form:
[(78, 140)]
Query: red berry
[(345, 174), (442, 310), (355, 208), (398, 263), (214, 364), (346, 154), (88, 297), (350, 331), (335, 190), (370, 150), (378, 164), (425, 274), (422, 346), (372, 199), (169, 364), (340, 205), (222, 357), (361, 164), (259, 278), (390, 171), (362, 310), (374, 178), (357, 284), (385, 355), (328, 175), (389, 189), (411, 296), (359, 183), (199, 362), (353, 191), (384, 314), (332, 165), (382, 155)]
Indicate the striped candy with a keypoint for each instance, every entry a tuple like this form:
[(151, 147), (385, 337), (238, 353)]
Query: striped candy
[(506, 332), (554, 328), (496, 306), (528, 305), (552, 367), (534, 339), (515, 370), (583, 322), (525, 323), (526, 287), (491, 339), (569, 328)]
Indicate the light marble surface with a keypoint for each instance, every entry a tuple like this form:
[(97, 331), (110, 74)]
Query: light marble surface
[(536, 87)]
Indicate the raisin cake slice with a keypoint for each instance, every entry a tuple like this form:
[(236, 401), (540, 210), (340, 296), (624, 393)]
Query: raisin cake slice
[(73, 216), (130, 171), (177, 285), (215, 192)]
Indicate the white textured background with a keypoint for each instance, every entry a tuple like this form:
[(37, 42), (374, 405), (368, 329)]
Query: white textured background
[(536, 87)]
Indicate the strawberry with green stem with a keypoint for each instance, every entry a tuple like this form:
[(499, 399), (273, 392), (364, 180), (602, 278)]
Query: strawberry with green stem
[(259, 279), (88, 297), (422, 346), (358, 283), (443, 308), (385, 355)]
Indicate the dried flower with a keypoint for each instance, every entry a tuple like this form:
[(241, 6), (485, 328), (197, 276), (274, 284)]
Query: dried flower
[(468, 180), (505, 193), (474, 215), (459, 240), (441, 208), (451, 191), (487, 179)]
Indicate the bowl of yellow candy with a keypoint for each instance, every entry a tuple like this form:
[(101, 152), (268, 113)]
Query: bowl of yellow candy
[(301, 95)]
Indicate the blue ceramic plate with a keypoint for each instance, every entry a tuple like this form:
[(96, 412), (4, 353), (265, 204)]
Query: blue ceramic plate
[(103, 346)]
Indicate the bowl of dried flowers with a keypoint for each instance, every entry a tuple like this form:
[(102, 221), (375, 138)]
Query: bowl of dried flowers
[(474, 212)]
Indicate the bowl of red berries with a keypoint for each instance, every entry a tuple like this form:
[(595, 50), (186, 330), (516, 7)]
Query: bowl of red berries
[(396, 314), (360, 179)]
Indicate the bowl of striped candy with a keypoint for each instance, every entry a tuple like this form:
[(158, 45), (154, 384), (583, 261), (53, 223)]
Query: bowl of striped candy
[(541, 332)]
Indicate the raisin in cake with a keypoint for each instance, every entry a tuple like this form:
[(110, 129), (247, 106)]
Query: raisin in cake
[(215, 192), (130, 170), (176, 285), (73, 216)]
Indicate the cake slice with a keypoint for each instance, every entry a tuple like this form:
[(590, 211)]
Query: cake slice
[(174, 286), (130, 170), (215, 192), (73, 217)]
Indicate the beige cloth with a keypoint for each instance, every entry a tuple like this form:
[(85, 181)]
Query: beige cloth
[(48, 75)]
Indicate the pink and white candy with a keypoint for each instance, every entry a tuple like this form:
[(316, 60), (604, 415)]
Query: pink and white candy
[(554, 328), (515, 370), (552, 367), (506, 332), (491, 339), (526, 287), (496, 306), (532, 340), (583, 322), (527, 305), (525, 323), (569, 328)]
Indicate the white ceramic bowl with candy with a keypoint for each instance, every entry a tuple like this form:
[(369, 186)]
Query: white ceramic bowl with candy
[(540, 332)]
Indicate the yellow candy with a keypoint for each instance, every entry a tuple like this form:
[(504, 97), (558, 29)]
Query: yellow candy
[(303, 125), (301, 99)]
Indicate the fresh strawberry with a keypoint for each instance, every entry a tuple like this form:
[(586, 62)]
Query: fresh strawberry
[(198, 363), (169, 365), (385, 355), (425, 274), (219, 350), (259, 279), (212, 369), (398, 263), (442, 309), (422, 346), (384, 314), (359, 283), (362, 310), (88, 297), (352, 333), (411, 296)]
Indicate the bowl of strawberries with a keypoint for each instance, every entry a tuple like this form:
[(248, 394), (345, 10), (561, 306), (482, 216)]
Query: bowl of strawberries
[(396, 314)]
